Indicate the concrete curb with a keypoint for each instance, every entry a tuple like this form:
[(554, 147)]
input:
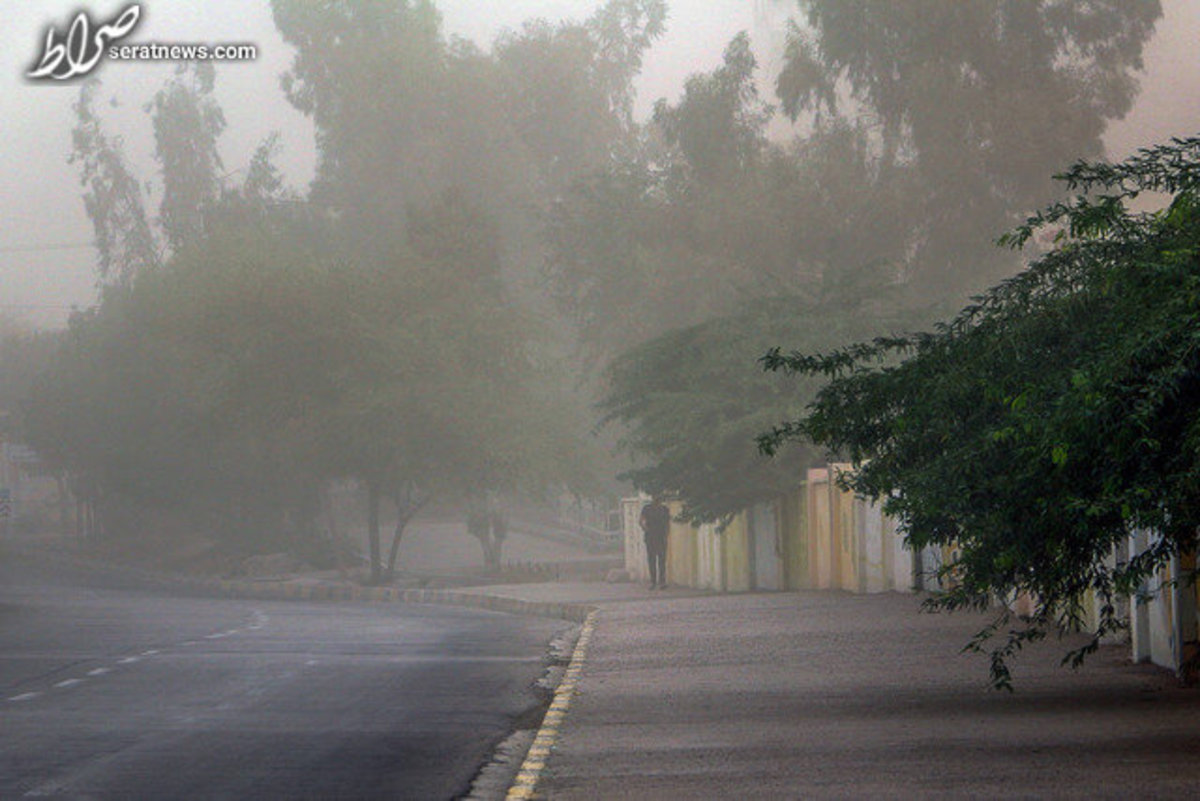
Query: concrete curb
[(573, 612), (285, 590), (524, 786)]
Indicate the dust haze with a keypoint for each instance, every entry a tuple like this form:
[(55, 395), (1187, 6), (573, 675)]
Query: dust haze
[(426, 288)]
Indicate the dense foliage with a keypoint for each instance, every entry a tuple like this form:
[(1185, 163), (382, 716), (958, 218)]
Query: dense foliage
[(983, 99), (255, 345), (1050, 419), (692, 401), (674, 251), (925, 139)]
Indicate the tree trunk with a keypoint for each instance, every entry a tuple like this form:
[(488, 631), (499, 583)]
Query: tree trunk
[(64, 510), (401, 523), (331, 529), (373, 530), (499, 525), (408, 502), (479, 527)]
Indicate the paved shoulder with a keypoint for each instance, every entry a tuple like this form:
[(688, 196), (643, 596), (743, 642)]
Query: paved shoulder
[(830, 695)]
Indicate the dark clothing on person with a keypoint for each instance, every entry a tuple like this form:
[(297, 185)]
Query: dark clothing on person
[(656, 519), (656, 553), (656, 522)]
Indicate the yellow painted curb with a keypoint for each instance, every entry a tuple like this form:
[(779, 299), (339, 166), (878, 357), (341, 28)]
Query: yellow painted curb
[(525, 783)]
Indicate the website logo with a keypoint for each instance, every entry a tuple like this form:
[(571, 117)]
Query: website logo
[(77, 51)]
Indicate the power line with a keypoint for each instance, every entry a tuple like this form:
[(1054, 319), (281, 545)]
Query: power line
[(40, 306), (46, 246)]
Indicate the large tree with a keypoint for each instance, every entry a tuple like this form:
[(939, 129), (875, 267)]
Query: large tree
[(950, 115), (177, 395), (504, 128), (113, 196), (681, 269), (187, 124), (985, 98), (703, 215), (452, 168), (691, 402), (368, 331), (1051, 419)]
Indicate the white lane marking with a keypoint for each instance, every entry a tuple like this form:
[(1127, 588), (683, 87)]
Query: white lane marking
[(311, 662), (53, 787), (151, 652), (69, 682), (99, 671), (129, 660), (24, 697), (49, 788), (213, 636)]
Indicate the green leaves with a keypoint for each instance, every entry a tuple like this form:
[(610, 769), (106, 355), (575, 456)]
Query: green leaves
[(693, 402), (1049, 419), (1058, 455)]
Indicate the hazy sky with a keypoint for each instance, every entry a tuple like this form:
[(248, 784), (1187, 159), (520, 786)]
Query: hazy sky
[(45, 263)]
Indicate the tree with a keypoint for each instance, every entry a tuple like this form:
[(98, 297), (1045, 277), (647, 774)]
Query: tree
[(507, 129), (113, 197), (188, 393), (377, 150), (682, 269), (569, 87), (24, 354), (441, 402), (692, 401), (711, 215), (653, 241), (366, 331), (1050, 419), (187, 124), (436, 187), (986, 99), (718, 124)]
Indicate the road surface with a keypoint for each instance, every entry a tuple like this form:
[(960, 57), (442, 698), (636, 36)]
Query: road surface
[(114, 692)]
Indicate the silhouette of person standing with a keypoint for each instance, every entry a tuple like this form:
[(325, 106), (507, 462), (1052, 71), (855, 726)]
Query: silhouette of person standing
[(655, 521)]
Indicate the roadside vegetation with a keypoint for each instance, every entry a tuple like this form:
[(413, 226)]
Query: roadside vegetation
[(1049, 420), (499, 276)]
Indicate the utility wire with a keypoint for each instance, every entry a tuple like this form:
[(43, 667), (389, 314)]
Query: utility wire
[(45, 247)]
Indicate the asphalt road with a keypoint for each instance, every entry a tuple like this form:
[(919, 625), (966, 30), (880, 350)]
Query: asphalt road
[(113, 692)]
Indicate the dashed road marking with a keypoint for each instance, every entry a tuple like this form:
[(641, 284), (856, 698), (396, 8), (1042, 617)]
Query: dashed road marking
[(257, 620), (525, 783)]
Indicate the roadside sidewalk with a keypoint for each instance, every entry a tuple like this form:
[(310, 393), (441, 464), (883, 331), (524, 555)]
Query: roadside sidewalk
[(832, 695)]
